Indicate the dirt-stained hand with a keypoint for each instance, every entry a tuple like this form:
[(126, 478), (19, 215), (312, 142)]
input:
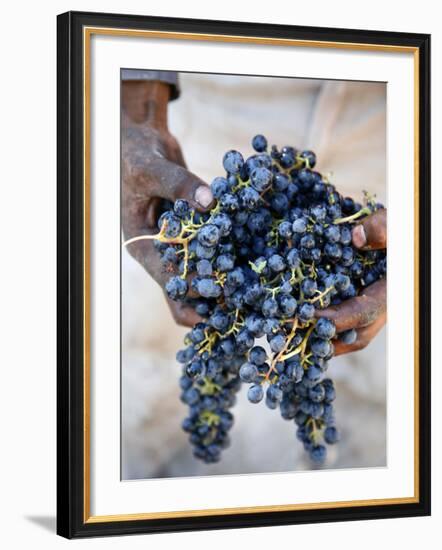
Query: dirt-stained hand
[(366, 313), (153, 169)]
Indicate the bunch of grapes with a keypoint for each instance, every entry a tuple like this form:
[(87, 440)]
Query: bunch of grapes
[(276, 247)]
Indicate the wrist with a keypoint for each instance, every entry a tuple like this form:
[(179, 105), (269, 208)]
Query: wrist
[(146, 102)]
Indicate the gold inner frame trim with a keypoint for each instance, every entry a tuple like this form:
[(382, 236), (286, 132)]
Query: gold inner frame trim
[(87, 33)]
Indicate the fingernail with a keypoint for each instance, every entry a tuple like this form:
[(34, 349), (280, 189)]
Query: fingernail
[(203, 196), (359, 237)]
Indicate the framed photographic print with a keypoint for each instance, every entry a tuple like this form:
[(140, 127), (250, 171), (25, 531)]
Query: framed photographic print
[(224, 356)]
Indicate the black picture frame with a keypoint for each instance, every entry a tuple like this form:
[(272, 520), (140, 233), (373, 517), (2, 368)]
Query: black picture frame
[(71, 519)]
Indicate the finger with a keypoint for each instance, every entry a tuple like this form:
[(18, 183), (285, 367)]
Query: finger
[(183, 314), (360, 311), (168, 180), (365, 336), (371, 233)]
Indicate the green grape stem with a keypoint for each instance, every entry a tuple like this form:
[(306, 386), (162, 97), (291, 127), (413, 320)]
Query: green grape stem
[(362, 212), (277, 357), (301, 348)]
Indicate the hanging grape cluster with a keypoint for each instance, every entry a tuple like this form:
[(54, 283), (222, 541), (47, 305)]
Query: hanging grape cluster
[(276, 247)]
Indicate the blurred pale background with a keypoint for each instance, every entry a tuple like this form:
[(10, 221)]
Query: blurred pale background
[(344, 123)]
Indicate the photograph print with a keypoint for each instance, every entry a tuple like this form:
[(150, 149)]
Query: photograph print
[(253, 274)]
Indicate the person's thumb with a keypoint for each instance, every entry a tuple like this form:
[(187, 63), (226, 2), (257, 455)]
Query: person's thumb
[(171, 181), (371, 233)]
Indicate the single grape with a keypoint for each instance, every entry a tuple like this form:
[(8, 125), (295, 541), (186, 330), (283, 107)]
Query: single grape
[(325, 328), (259, 143), (258, 355), (255, 394), (176, 288), (261, 178), (248, 372), (348, 337), (232, 162), (331, 435), (318, 454)]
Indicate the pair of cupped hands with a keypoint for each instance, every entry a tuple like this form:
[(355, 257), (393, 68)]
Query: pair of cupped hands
[(153, 169)]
